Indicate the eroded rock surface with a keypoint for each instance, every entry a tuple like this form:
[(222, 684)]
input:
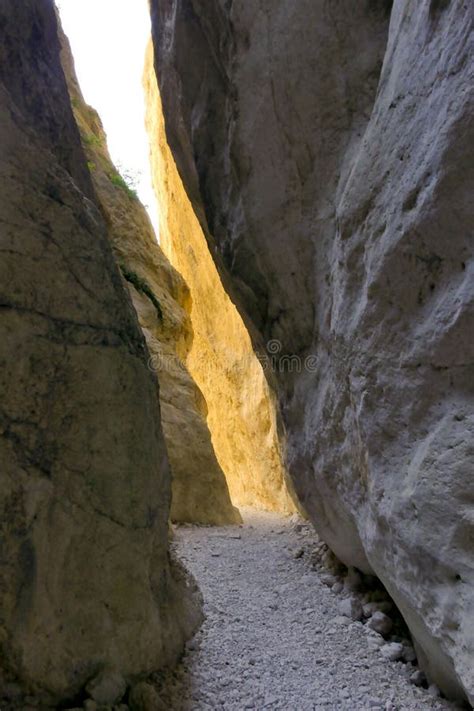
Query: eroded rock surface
[(241, 408), (85, 575), (161, 297), (326, 148)]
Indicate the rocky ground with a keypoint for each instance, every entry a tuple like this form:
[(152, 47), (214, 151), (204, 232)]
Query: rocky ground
[(287, 628), (278, 632)]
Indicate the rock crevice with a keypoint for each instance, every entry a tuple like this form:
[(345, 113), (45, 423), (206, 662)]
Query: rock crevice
[(160, 297)]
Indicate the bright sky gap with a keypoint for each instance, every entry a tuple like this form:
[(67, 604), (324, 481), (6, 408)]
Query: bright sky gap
[(108, 40)]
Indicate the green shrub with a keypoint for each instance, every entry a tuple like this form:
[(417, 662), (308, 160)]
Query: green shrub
[(92, 140), (141, 286), (120, 182)]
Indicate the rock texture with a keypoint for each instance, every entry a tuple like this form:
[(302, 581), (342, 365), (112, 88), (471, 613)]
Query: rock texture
[(326, 148), (160, 296), (85, 575), (282, 644), (241, 408)]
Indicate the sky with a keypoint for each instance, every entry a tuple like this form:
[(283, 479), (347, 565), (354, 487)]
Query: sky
[(108, 40)]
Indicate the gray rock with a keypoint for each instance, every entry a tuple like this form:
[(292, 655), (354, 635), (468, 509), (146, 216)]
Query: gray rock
[(433, 691), (418, 678), (341, 221), (328, 579), (108, 687), (350, 607), (384, 606), (409, 654), (392, 651), (375, 642), (381, 623), (143, 697)]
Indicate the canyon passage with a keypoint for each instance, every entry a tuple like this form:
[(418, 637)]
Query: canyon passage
[(236, 462)]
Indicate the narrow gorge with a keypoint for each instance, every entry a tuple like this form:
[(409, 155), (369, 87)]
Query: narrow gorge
[(249, 441)]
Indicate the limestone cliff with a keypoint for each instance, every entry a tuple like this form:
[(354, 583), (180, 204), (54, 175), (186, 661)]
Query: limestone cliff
[(241, 409), (85, 575), (160, 297), (326, 148)]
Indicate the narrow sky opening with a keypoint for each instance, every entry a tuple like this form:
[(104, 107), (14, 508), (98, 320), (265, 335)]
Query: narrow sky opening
[(108, 40)]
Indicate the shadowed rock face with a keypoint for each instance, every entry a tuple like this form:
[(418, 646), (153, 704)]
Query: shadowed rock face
[(160, 297), (326, 148), (85, 574)]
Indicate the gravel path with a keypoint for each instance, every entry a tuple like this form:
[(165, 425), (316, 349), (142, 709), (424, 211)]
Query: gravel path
[(274, 637)]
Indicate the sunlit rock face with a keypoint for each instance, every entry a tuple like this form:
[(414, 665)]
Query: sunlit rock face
[(160, 297), (86, 579), (241, 409), (327, 152)]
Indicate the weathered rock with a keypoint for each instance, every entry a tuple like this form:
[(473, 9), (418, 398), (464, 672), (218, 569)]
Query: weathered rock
[(327, 152), (375, 641), (144, 697), (409, 654), (351, 607), (392, 651), (85, 575), (353, 580), (241, 408), (381, 623), (161, 298), (328, 580), (108, 687), (418, 678), (383, 606)]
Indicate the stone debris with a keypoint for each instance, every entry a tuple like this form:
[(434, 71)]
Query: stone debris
[(108, 687), (418, 678), (381, 623), (409, 654), (370, 608), (274, 636), (351, 607), (392, 651), (143, 697)]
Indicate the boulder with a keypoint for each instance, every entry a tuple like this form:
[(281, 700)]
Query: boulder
[(327, 152), (86, 578)]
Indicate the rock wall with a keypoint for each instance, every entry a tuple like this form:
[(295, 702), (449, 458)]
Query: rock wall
[(241, 408), (85, 576), (327, 150), (160, 296)]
